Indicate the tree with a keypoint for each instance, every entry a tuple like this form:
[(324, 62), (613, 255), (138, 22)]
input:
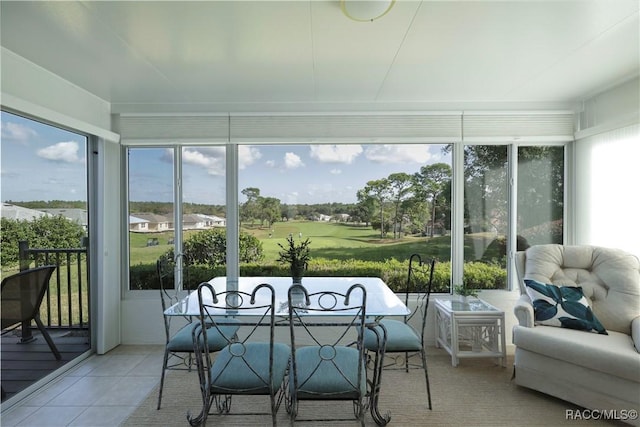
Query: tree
[(249, 210), (363, 210), (270, 210), (400, 189), (541, 193), (380, 191), (431, 182), (486, 186)]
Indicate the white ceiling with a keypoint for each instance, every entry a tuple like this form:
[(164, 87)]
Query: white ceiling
[(227, 56)]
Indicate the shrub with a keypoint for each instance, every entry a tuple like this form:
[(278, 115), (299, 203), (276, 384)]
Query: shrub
[(50, 232), (477, 275), (209, 248)]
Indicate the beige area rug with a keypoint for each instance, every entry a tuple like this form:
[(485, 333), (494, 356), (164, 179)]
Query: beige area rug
[(476, 393)]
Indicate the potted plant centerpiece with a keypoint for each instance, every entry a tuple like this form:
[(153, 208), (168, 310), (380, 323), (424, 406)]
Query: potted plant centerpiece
[(465, 292), (297, 255)]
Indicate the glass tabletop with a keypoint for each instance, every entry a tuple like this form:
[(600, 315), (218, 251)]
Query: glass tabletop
[(381, 300)]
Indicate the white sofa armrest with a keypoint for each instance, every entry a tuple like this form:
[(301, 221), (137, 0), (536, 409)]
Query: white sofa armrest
[(635, 332), (524, 311)]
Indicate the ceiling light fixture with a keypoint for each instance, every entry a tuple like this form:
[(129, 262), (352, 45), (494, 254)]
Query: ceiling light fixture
[(366, 10)]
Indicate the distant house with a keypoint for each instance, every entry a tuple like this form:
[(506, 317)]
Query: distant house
[(155, 222), (19, 213), (201, 221), (213, 221), (138, 224), (342, 217), (193, 222), (322, 217), (78, 216)]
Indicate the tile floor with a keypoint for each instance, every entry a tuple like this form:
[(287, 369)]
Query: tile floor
[(99, 391)]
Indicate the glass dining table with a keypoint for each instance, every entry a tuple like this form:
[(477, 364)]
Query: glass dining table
[(381, 302)]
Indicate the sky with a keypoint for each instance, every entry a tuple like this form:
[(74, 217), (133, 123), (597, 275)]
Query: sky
[(40, 162)]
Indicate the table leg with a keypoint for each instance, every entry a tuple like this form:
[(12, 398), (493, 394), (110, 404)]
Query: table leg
[(504, 342), (378, 365), (455, 345)]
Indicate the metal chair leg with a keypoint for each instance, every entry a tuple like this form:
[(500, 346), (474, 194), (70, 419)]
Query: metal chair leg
[(164, 369), (426, 377)]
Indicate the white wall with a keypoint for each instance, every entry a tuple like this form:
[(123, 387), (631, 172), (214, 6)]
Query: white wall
[(108, 252), (52, 98), (615, 108), (607, 174)]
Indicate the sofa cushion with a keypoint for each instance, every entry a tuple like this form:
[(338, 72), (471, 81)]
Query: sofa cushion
[(612, 354), (562, 306), (610, 279)]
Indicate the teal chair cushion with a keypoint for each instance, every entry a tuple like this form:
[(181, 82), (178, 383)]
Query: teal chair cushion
[(400, 337), (182, 341), (323, 373), (244, 368)]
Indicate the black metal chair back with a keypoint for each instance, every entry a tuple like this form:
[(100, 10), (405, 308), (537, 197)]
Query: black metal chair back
[(406, 338), (169, 294), (178, 353), (421, 287), (327, 363), (247, 364)]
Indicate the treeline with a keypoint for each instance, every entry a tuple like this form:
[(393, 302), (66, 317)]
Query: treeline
[(166, 208), (50, 204), (289, 211)]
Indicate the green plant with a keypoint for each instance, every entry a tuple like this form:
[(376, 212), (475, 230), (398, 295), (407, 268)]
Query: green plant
[(464, 291), (209, 247), (297, 255)]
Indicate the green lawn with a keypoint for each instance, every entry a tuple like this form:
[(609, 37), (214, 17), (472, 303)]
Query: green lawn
[(140, 253), (337, 242), (329, 240), (345, 241)]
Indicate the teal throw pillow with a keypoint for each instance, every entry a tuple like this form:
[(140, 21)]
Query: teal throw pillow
[(563, 306)]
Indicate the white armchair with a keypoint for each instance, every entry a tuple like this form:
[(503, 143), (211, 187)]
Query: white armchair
[(593, 368)]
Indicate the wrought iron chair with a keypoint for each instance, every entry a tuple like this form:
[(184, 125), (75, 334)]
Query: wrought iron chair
[(178, 349), (22, 295), (403, 339), (333, 368), (246, 365)]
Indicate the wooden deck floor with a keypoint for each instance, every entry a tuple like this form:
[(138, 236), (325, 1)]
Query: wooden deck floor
[(26, 363)]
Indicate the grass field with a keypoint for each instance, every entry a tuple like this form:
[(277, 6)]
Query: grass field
[(328, 240)]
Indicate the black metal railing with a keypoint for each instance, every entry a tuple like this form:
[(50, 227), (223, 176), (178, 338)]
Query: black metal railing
[(66, 303)]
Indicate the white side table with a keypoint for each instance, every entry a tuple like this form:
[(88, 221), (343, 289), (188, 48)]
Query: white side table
[(470, 329)]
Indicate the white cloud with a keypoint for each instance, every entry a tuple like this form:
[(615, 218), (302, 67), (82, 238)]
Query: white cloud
[(213, 158), (407, 153), (209, 158), (335, 153), (292, 161), (16, 132), (270, 163), (247, 155), (335, 171), (61, 151)]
